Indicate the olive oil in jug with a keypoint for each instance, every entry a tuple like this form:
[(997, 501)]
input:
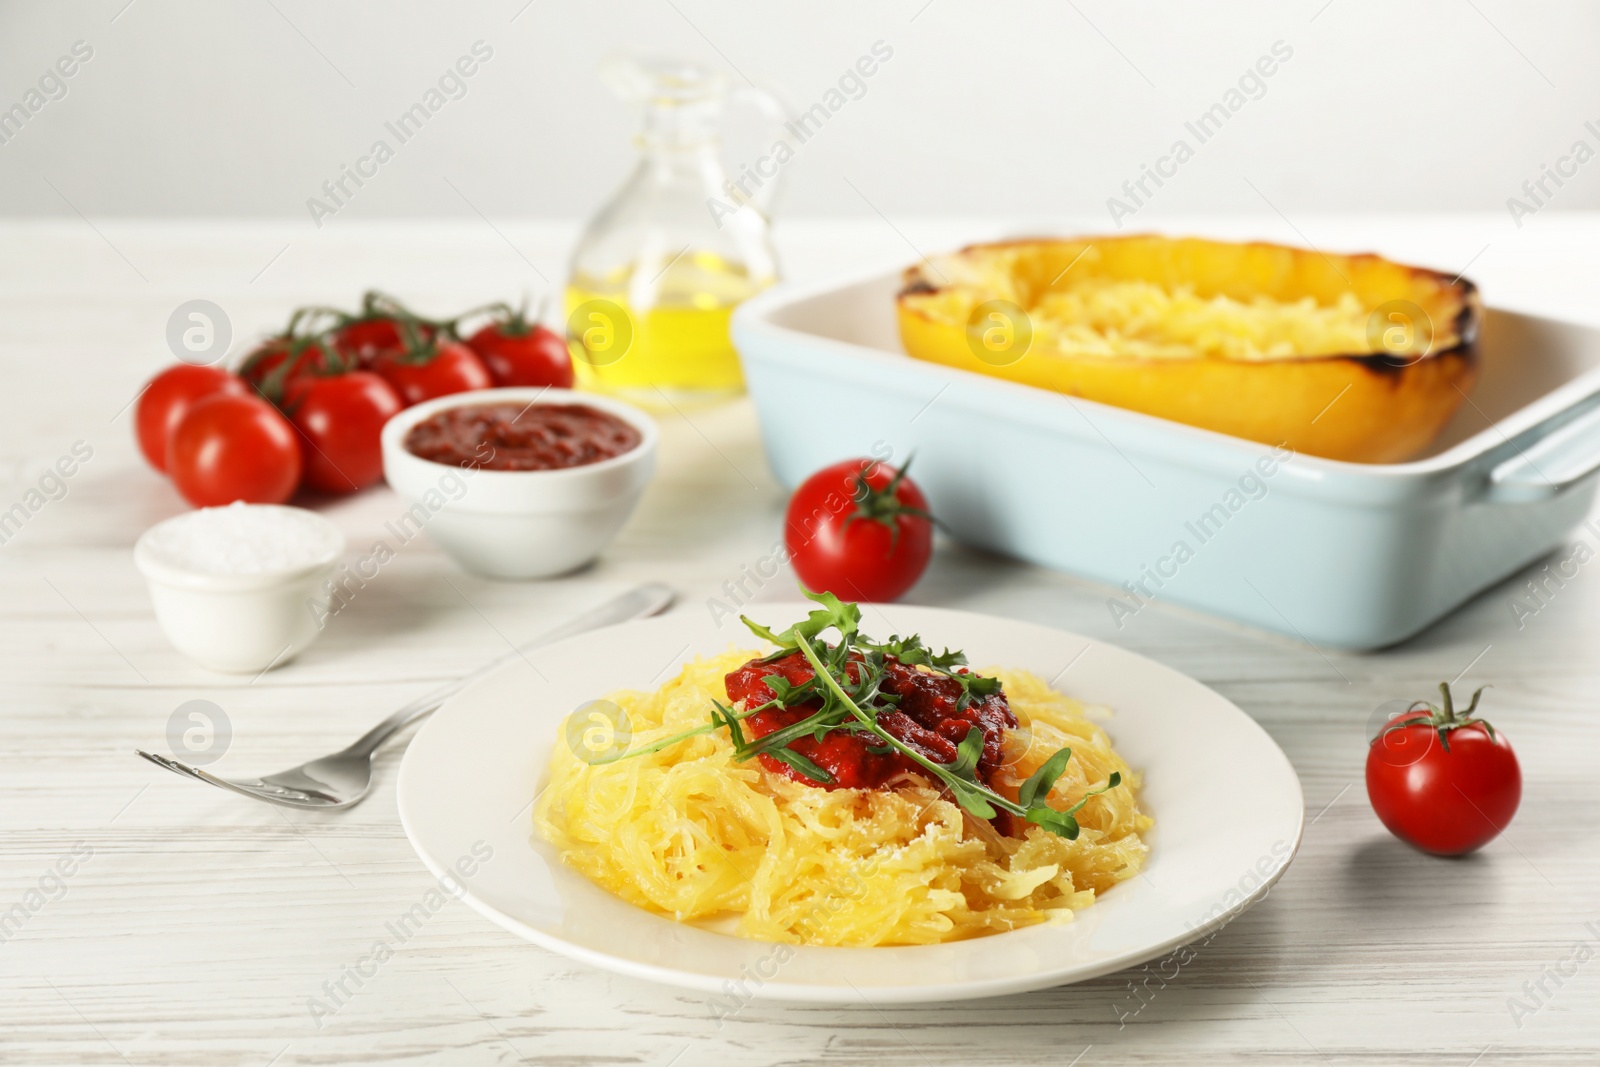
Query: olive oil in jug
[(659, 270)]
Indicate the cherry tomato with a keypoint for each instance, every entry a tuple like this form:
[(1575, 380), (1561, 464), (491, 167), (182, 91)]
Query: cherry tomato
[(367, 341), (860, 530), (265, 370), (339, 420), (165, 399), (229, 448), (438, 370), (517, 353), (1443, 781)]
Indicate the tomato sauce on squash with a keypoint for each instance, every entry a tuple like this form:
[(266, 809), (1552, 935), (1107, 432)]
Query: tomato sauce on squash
[(925, 719)]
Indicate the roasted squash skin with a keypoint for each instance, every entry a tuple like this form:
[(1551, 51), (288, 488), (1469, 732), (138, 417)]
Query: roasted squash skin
[(1370, 406)]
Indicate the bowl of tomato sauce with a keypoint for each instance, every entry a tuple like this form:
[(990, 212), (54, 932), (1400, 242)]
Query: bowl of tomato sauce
[(519, 483)]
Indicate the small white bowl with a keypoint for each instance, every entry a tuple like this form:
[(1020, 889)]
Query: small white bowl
[(519, 524), (235, 622)]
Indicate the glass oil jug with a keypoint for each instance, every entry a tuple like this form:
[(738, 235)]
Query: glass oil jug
[(658, 271)]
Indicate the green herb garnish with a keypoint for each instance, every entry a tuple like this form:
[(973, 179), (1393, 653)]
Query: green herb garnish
[(847, 684)]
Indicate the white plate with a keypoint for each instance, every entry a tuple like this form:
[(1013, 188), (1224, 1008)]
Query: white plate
[(1226, 802)]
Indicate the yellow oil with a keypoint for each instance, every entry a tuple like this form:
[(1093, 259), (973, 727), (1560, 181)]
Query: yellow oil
[(659, 340)]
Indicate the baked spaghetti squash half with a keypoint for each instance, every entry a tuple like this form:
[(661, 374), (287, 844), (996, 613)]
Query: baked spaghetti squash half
[(1350, 357)]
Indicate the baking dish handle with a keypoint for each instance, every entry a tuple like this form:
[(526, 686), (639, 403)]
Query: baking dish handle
[(1551, 465)]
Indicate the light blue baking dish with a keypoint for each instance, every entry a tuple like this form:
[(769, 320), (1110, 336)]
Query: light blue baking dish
[(1347, 555)]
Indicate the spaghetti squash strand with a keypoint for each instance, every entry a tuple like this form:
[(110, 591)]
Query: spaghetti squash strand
[(690, 832)]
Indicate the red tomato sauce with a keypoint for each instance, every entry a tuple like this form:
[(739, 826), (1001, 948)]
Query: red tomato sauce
[(521, 437), (925, 719)]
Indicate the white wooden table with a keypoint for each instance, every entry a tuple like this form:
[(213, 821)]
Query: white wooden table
[(196, 927)]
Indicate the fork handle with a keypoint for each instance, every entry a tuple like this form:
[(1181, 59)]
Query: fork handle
[(637, 603)]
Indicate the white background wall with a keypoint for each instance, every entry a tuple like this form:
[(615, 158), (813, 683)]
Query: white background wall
[(1022, 109)]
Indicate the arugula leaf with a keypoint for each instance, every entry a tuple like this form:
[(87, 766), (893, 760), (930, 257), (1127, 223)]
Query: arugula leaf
[(904, 649), (846, 618), (1041, 781), (967, 755), (780, 738), (721, 716), (846, 686), (802, 764), (1111, 783), (947, 659), (1057, 822), (726, 716), (972, 798), (912, 652), (975, 798), (655, 746), (1063, 822), (788, 694), (764, 633)]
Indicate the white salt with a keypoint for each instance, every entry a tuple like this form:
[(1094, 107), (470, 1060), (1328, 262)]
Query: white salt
[(245, 539)]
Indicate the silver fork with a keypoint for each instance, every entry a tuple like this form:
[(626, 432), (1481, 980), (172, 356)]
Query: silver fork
[(345, 777)]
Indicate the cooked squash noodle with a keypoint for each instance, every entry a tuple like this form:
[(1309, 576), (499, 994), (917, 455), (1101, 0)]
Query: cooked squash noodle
[(1135, 319), (692, 833)]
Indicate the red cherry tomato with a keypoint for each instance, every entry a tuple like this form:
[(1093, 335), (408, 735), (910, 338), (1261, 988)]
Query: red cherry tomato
[(1444, 782), (168, 396), (265, 370), (367, 341), (531, 355), (860, 530), (339, 420), (229, 448), (445, 368)]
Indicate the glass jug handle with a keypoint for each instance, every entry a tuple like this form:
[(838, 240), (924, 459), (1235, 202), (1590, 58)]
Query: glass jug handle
[(772, 109)]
